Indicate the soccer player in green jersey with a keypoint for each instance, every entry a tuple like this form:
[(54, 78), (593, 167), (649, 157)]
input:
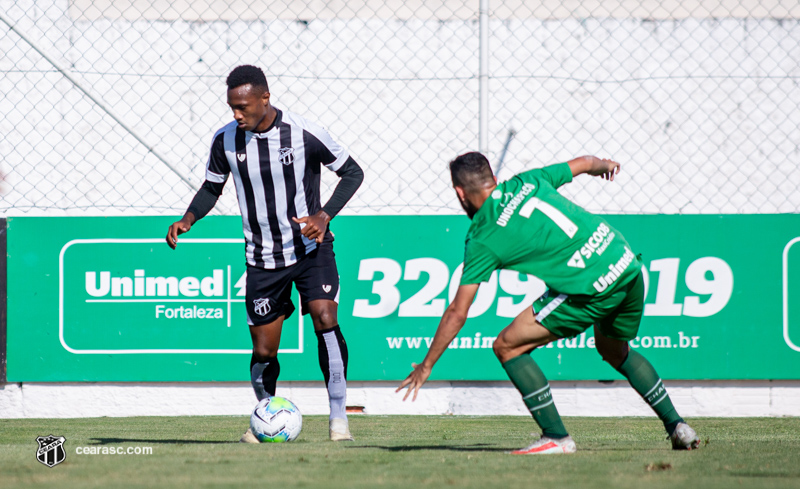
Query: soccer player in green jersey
[(592, 275)]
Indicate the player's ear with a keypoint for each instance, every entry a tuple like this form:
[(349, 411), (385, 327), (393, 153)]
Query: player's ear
[(460, 192), (265, 98)]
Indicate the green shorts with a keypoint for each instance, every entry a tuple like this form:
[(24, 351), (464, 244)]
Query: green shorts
[(617, 314)]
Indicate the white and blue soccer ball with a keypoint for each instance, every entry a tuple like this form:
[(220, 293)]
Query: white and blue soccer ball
[(276, 420)]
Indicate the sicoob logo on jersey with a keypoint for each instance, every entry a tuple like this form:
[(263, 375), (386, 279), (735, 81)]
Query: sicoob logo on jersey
[(51, 450), (262, 306), (286, 155)]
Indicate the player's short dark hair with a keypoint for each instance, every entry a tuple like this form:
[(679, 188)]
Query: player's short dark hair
[(471, 171), (247, 75)]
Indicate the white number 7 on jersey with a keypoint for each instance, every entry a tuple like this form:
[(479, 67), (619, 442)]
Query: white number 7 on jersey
[(554, 214)]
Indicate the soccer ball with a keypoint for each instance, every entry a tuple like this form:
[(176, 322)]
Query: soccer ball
[(275, 420)]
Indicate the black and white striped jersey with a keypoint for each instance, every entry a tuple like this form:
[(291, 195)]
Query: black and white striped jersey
[(277, 177)]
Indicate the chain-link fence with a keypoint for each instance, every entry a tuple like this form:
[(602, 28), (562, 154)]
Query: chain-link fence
[(109, 107)]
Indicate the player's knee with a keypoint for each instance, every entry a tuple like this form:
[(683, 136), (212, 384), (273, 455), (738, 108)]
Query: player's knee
[(613, 357), (262, 353), (500, 348), (324, 318)]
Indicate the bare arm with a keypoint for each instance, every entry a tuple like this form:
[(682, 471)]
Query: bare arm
[(452, 321), (594, 166), (203, 202)]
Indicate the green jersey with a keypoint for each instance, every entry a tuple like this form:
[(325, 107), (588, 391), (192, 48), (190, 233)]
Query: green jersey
[(527, 226)]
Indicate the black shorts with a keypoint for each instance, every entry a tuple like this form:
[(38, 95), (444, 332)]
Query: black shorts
[(269, 292)]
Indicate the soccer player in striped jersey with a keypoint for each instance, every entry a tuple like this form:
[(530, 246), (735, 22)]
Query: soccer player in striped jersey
[(593, 278), (275, 158)]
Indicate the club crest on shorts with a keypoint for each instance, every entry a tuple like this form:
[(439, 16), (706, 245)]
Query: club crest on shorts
[(286, 155), (262, 306), (241, 156), (51, 450), (326, 288)]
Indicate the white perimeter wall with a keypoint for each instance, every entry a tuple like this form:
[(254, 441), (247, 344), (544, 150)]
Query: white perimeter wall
[(691, 398)]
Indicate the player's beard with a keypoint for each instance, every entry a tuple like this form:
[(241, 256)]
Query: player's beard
[(468, 207)]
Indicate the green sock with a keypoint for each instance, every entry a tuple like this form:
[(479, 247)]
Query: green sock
[(644, 379), (532, 384)]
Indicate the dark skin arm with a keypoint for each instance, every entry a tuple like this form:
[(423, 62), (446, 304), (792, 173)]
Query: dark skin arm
[(452, 321), (315, 226), (592, 165), (180, 227)]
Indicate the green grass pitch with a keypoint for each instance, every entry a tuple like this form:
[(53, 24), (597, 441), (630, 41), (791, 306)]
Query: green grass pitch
[(403, 451)]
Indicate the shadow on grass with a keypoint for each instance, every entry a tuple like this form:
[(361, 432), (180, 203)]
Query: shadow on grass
[(780, 475), (480, 447), (110, 441)]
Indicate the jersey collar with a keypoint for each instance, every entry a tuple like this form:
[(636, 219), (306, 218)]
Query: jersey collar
[(486, 211), (275, 123)]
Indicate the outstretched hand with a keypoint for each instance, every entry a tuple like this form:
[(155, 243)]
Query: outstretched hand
[(315, 226), (603, 168), (415, 380), (592, 165)]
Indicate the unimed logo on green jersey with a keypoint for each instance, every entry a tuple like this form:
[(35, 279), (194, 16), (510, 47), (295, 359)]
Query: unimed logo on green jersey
[(615, 270)]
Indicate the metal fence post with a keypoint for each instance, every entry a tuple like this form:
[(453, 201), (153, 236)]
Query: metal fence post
[(484, 78)]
